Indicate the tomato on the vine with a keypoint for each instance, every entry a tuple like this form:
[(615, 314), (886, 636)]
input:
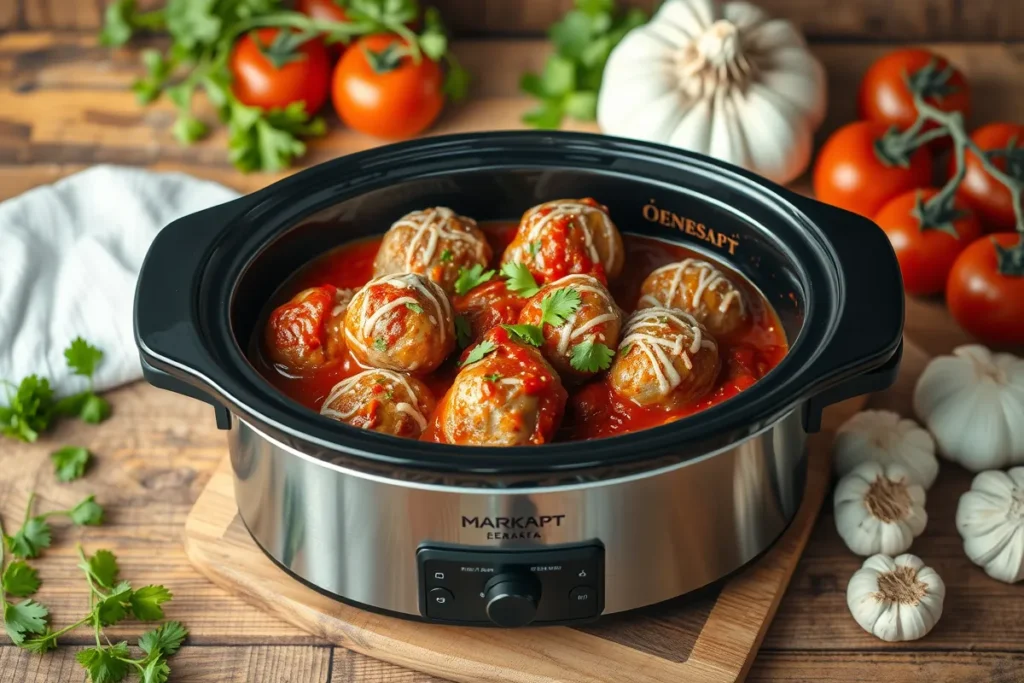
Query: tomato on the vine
[(1004, 144), (380, 90), (885, 97), (272, 68), (985, 292), (851, 173), (324, 10), (925, 251)]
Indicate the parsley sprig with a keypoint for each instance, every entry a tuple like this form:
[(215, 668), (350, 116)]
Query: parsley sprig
[(520, 280), (203, 33), (557, 306), (471, 277), (571, 78), (35, 533), (528, 334), (590, 356), (31, 406), (479, 351)]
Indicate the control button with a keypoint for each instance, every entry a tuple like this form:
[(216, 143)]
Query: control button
[(582, 601), (439, 576), (512, 599), (582, 574), (439, 600)]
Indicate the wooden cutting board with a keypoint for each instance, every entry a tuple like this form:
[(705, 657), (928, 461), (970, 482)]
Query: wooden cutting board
[(709, 636)]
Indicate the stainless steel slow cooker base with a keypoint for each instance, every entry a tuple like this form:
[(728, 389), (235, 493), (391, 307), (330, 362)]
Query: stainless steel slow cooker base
[(659, 534)]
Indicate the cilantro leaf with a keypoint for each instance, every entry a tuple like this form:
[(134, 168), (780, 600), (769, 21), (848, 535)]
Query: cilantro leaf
[(30, 539), (29, 410), (94, 410), (82, 357), (114, 608), (414, 307), (24, 618), (446, 256), (87, 512), (69, 462), (105, 664), (623, 350), (42, 643), (479, 351), (146, 602), (463, 331), (590, 357), (19, 579), (102, 567), (380, 344), (520, 280), (528, 334), (493, 377), (156, 671), (468, 279), (163, 640), (268, 140), (558, 305)]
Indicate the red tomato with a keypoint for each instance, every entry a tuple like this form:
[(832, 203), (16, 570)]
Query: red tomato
[(324, 10), (392, 97), (851, 175), (989, 198), (985, 298), (302, 74), (925, 255), (884, 95)]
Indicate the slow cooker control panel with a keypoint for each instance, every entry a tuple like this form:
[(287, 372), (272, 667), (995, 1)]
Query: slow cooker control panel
[(511, 587)]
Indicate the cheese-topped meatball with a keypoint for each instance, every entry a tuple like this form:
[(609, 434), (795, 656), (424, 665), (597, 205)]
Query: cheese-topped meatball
[(700, 289), (400, 322), (483, 307), (566, 237), (580, 324), (433, 242), (506, 395), (666, 358), (305, 333), (381, 400)]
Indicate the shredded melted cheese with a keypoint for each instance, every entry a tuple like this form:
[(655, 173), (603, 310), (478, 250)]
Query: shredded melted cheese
[(662, 334), (432, 226), (570, 331), (393, 379), (428, 292), (578, 212), (709, 278)]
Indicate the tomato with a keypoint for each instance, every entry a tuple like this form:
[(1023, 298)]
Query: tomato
[(392, 97), (324, 10), (884, 95), (985, 292), (849, 173), (989, 198), (301, 74), (925, 255)]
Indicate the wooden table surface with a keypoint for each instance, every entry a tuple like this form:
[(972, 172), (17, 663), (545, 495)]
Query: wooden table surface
[(64, 105)]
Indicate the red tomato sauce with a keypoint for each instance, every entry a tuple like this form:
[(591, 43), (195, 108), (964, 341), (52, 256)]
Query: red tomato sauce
[(593, 410)]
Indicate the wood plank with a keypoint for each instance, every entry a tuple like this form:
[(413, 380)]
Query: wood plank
[(9, 14), (868, 20), (244, 664), (890, 667), (352, 667)]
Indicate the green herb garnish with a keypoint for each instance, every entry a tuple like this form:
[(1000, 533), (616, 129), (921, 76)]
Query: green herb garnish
[(520, 280)]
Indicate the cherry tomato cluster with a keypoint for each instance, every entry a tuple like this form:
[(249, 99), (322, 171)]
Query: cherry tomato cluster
[(884, 166), (377, 84)]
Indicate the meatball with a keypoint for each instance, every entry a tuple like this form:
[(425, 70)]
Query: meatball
[(433, 242), (483, 307), (305, 333), (566, 237), (666, 358), (700, 289), (400, 322), (381, 400), (581, 343), (505, 395)]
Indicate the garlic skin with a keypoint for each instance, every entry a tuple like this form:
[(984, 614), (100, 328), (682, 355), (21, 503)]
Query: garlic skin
[(719, 78), (879, 510), (896, 599), (973, 403), (884, 437), (990, 519)]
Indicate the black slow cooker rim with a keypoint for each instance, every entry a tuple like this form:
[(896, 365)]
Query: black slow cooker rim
[(270, 211)]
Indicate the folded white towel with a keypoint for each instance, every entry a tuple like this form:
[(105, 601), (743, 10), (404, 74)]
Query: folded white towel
[(70, 255)]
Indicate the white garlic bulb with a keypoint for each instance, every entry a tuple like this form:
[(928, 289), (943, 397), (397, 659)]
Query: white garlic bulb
[(884, 437), (896, 599), (879, 510), (973, 403), (990, 519)]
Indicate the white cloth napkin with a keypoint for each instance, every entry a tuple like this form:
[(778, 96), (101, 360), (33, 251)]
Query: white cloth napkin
[(70, 255)]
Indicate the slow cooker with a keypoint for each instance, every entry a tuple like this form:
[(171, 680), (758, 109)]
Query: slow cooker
[(552, 534)]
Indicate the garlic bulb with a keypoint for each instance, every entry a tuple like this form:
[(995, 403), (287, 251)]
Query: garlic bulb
[(990, 518), (973, 403), (896, 599), (878, 509), (884, 437), (722, 79)]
